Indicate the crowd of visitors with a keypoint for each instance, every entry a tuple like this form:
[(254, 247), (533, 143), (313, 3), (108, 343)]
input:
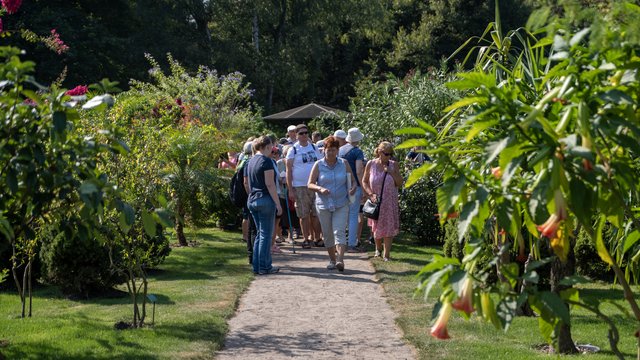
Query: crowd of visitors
[(314, 188)]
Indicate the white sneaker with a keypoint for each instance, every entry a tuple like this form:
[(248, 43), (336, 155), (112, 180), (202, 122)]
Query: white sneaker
[(377, 254), (331, 265)]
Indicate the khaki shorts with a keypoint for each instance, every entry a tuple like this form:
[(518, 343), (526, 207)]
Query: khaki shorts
[(305, 202)]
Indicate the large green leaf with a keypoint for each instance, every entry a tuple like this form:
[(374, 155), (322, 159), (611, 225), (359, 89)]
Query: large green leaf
[(494, 149), (600, 246), (630, 240), (447, 195), (149, 223), (469, 212), (554, 303), (506, 311)]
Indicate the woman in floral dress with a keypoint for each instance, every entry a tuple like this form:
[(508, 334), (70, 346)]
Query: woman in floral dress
[(382, 168)]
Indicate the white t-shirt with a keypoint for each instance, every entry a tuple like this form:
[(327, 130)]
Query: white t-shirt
[(303, 159)]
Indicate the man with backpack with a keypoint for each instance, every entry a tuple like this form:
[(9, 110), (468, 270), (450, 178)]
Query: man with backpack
[(300, 160)]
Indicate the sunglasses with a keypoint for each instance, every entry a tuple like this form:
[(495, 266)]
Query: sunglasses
[(387, 154), (303, 133)]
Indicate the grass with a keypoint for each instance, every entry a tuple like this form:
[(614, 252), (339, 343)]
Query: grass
[(197, 290), (475, 339)]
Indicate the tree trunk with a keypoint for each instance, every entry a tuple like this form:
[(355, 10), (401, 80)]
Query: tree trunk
[(525, 309), (29, 265), (14, 272), (256, 31), (182, 240), (559, 271)]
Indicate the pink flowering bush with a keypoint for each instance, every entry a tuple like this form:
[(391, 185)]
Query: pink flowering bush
[(78, 90), (54, 42), (11, 6)]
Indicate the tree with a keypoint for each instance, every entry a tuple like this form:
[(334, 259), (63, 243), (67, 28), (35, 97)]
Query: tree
[(544, 155)]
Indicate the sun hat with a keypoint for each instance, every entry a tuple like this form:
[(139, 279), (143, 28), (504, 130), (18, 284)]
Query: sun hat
[(340, 134), (354, 135), (291, 128)]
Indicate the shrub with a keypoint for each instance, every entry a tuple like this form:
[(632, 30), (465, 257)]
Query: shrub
[(588, 262), (78, 266), (452, 247), (417, 212)]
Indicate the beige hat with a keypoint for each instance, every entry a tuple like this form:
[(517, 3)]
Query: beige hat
[(354, 135)]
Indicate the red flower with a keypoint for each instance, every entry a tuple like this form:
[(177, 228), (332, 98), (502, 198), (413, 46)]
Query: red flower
[(465, 300), (587, 165), (1, 27), (179, 101), (11, 5), (78, 90), (496, 172), (439, 329), (550, 227)]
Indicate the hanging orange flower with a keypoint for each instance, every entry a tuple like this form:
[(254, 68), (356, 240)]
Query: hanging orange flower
[(439, 329)]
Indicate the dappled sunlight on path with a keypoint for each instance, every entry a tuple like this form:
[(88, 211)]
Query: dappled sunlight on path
[(309, 311)]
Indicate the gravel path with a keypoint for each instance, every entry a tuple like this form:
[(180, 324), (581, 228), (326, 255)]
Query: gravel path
[(308, 311)]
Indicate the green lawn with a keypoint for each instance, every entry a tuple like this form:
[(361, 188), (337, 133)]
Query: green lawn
[(475, 339), (197, 289)]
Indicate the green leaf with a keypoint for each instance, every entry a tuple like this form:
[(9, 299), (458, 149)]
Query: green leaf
[(431, 281), (447, 195), (571, 294), (577, 38), (600, 246), (12, 180), (555, 304), (616, 96), (59, 121), (163, 217), (546, 329), (465, 102), (127, 218), (425, 125), (494, 149), (149, 223), (469, 211), (506, 311), (478, 127), (408, 144), (419, 173), (630, 240), (531, 277), (438, 262), (88, 188), (580, 199)]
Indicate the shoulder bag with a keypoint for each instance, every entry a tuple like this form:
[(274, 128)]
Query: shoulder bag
[(370, 209)]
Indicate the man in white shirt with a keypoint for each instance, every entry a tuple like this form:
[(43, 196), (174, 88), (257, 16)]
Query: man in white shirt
[(291, 135), (300, 160)]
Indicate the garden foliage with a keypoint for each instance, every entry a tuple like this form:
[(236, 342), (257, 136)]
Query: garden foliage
[(544, 142)]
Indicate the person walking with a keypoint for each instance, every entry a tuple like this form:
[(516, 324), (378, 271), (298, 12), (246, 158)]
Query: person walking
[(355, 157), (330, 179), (263, 203), (383, 170), (300, 160)]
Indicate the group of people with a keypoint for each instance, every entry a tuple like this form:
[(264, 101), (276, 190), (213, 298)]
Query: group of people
[(326, 181)]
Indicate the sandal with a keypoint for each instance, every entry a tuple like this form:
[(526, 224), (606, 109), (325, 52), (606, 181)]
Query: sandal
[(319, 243), (306, 244)]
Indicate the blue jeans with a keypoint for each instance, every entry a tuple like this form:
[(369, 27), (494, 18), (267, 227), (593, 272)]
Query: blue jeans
[(263, 211), (354, 211)]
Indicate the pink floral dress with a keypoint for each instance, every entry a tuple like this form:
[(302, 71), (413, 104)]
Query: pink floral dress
[(388, 223)]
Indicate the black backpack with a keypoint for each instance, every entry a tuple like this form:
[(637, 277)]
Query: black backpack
[(237, 193)]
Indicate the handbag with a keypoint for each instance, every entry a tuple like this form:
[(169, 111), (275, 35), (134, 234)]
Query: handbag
[(370, 209)]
